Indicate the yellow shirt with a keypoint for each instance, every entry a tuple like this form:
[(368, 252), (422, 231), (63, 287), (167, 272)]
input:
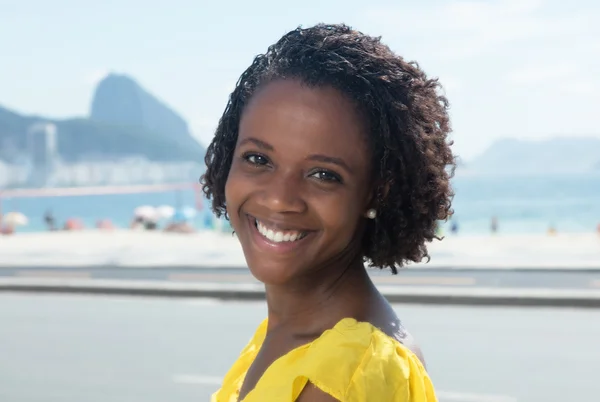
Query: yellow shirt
[(353, 362)]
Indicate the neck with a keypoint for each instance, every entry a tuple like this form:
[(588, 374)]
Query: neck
[(320, 300)]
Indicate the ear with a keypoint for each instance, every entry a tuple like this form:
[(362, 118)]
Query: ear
[(377, 197)]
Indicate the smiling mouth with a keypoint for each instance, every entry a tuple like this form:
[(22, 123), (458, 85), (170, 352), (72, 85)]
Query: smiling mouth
[(278, 236)]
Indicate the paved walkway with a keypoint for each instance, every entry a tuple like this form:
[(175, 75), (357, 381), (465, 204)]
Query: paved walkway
[(98, 349)]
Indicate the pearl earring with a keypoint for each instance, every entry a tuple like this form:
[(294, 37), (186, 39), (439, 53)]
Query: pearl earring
[(371, 213)]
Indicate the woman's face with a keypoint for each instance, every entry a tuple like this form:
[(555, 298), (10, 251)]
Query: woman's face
[(298, 185)]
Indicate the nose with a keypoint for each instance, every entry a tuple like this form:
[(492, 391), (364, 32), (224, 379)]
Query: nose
[(283, 193)]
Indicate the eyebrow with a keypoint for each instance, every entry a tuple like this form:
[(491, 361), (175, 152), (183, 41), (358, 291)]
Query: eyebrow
[(261, 144)]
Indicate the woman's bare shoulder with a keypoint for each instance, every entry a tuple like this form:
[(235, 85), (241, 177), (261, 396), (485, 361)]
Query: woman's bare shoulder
[(390, 324)]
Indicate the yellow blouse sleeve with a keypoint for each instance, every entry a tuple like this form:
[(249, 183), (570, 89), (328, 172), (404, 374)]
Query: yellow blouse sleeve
[(389, 372), (358, 363)]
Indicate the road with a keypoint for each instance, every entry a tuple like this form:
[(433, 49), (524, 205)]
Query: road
[(116, 349), (412, 277)]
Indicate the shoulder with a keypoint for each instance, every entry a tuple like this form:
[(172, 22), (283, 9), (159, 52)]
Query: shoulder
[(411, 344), (355, 361)]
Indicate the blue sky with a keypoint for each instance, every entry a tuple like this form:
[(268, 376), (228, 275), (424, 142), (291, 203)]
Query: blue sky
[(511, 68)]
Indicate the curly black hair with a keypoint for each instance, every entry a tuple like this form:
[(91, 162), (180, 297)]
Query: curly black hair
[(405, 113)]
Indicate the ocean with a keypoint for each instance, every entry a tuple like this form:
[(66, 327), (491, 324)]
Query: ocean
[(522, 205)]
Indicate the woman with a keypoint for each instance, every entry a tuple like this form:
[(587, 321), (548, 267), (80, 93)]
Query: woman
[(331, 153)]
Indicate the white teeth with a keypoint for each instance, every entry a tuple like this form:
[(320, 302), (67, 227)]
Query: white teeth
[(278, 237)]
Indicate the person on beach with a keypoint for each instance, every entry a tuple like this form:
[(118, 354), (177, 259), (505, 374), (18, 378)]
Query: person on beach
[(332, 154), (50, 221), (494, 225)]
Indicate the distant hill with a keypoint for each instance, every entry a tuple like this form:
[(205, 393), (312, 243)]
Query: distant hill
[(118, 99), (116, 130), (557, 155)]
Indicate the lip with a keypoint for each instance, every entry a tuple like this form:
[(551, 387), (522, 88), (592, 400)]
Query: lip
[(269, 246)]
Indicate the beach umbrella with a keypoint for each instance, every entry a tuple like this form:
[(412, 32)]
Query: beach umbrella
[(165, 211), (74, 224), (145, 212), (105, 224), (15, 219), (188, 212)]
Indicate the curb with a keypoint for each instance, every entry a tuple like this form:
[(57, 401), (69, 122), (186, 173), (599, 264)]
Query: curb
[(250, 291)]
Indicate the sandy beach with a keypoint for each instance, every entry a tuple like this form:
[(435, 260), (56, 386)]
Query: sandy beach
[(126, 248)]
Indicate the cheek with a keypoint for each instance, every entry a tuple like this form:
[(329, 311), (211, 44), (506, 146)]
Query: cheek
[(233, 190), (340, 216)]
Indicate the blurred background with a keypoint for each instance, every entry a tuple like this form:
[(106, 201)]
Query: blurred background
[(106, 109)]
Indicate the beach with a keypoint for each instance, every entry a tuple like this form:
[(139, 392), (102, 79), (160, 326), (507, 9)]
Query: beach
[(126, 248)]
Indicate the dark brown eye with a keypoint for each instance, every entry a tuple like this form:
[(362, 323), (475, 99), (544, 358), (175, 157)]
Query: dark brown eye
[(256, 159), (327, 176)]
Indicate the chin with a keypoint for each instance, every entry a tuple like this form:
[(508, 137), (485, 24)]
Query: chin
[(272, 272)]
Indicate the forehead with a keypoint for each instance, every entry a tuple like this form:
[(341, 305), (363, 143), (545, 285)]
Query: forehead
[(287, 113)]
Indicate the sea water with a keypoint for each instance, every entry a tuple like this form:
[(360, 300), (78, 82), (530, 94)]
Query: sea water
[(533, 204)]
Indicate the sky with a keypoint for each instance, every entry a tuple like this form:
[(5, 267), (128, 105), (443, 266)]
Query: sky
[(525, 69)]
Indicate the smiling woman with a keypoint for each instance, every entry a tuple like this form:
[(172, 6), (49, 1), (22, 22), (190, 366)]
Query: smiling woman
[(331, 153)]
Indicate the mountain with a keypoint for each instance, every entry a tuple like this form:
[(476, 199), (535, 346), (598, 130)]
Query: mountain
[(556, 155), (126, 121), (118, 99)]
